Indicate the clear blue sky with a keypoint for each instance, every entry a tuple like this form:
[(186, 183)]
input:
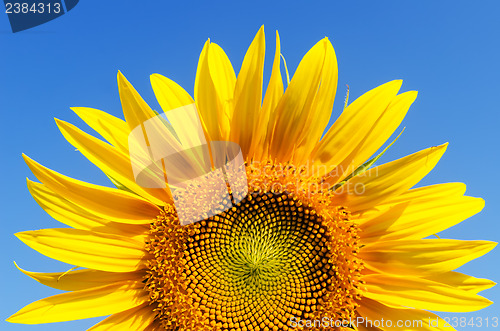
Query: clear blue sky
[(447, 50)]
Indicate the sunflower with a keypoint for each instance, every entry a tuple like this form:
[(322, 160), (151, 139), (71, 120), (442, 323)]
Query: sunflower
[(320, 235)]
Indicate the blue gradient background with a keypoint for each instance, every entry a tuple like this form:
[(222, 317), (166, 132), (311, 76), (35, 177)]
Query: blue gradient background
[(447, 50)]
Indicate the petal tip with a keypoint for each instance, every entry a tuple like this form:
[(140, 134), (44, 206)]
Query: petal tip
[(27, 159), (412, 94), (122, 80), (21, 235)]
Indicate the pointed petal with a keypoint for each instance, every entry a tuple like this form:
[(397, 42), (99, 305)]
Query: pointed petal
[(70, 214), (100, 301), (381, 130), (102, 201), (224, 81), (135, 109), (273, 95), (420, 293), (318, 116), (80, 279), (420, 218), (248, 94), (422, 257), (111, 128), (86, 249), (462, 281), (111, 161), (388, 180), (169, 94), (207, 100), (63, 210), (137, 319), (292, 113), (351, 129), (222, 73), (413, 318), (431, 192)]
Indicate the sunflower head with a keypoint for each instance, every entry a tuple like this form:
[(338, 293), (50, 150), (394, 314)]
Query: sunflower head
[(235, 210)]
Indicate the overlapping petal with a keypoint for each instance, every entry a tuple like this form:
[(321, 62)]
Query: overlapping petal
[(338, 147), (111, 128), (138, 319), (420, 218), (94, 302), (111, 161), (274, 92), (248, 94), (102, 201), (135, 109), (87, 249), (302, 104), (462, 281), (417, 195), (403, 319), (81, 279), (421, 293), (388, 180), (71, 214), (214, 90), (422, 257)]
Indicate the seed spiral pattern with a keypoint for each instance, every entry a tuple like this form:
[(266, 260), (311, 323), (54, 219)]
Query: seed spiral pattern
[(262, 261), (267, 259)]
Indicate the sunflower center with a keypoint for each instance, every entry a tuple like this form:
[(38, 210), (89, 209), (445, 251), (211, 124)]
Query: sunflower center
[(270, 258), (266, 252)]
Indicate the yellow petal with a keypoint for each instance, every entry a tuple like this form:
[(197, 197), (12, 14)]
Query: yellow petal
[(421, 293), (292, 113), (248, 94), (420, 218), (111, 161), (381, 130), (63, 210), (172, 96), (86, 249), (224, 81), (396, 319), (351, 129), (102, 201), (222, 73), (137, 319), (169, 94), (273, 95), (100, 301), (431, 192), (70, 214), (317, 117), (207, 100), (388, 180), (422, 257), (111, 128), (135, 109), (462, 281), (80, 279)]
